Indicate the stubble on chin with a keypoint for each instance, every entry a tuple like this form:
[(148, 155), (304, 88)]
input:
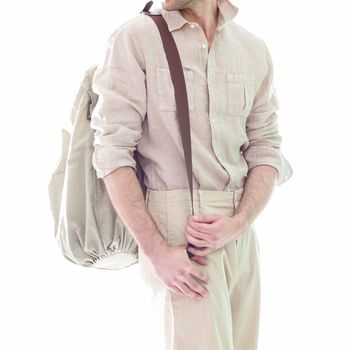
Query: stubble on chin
[(179, 4)]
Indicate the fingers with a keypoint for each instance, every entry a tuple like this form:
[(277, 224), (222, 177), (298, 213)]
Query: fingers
[(192, 289), (175, 290), (199, 274), (196, 287), (206, 218), (187, 285), (199, 252), (195, 241), (199, 259), (182, 279)]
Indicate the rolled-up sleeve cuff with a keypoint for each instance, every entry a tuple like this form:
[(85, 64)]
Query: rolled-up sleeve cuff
[(106, 159), (269, 156)]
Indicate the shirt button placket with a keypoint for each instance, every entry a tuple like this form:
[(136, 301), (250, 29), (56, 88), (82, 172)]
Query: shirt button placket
[(213, 119)]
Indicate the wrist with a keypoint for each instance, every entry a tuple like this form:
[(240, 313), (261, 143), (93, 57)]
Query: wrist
[(155, 247), (243, 220)]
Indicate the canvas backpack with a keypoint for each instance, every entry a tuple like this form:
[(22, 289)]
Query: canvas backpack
[(87, 227)]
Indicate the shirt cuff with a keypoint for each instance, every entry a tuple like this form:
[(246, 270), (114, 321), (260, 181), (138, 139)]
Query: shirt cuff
[(106, 159), (269, 156)]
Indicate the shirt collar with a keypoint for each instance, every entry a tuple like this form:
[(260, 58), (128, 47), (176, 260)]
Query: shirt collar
[(175, 20)]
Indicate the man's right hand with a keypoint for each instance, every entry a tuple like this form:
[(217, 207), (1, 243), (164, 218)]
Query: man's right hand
[(176, 271)]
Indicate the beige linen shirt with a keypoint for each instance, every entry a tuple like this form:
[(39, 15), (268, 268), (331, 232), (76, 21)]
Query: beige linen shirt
[(231, 96)]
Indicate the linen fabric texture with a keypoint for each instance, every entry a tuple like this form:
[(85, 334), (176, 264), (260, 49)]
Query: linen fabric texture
[(231, 97)]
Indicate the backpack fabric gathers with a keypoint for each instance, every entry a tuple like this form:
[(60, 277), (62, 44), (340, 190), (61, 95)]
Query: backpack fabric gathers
[(86, 226)]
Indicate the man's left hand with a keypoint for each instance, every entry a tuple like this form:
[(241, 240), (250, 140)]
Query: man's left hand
[(212, 231)]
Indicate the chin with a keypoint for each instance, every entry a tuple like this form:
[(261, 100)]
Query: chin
[(171, 5)]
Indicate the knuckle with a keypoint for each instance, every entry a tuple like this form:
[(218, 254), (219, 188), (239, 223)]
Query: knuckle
[(181, 273), (194, 295), (188, 271), (202, 291), (171, 284)]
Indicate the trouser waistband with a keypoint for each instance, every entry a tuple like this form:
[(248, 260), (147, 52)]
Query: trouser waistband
[(198, 195)]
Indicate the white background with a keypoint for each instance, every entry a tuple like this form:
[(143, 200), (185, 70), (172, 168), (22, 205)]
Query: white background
[(49, 303)]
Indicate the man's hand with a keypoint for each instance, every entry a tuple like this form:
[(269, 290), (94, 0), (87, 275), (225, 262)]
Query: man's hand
[(177, 272), (211, 232)]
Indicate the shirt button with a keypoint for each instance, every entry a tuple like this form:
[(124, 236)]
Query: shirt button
[(213, 120), (204, 46), (192, 26)]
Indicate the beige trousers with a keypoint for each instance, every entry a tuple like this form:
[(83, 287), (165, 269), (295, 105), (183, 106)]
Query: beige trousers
[(228, 318)]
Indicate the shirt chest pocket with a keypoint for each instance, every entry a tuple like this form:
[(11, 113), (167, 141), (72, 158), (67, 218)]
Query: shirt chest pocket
[(240, 94), (165, 89)]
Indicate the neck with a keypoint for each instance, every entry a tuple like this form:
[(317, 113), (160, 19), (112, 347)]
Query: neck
[(205, 13)]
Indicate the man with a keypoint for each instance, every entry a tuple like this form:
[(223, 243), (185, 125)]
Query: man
[(211, 300)]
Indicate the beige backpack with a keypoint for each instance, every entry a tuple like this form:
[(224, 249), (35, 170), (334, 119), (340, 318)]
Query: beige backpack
[(87, 227)]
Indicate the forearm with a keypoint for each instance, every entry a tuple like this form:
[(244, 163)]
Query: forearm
[(258, 189), (127, 198)]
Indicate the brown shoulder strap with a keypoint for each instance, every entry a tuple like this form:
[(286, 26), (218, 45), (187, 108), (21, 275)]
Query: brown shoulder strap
[(178, 81), (177, 76)]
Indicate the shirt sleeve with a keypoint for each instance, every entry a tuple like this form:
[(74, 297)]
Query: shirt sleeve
[(262, 128), (119, 82)]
